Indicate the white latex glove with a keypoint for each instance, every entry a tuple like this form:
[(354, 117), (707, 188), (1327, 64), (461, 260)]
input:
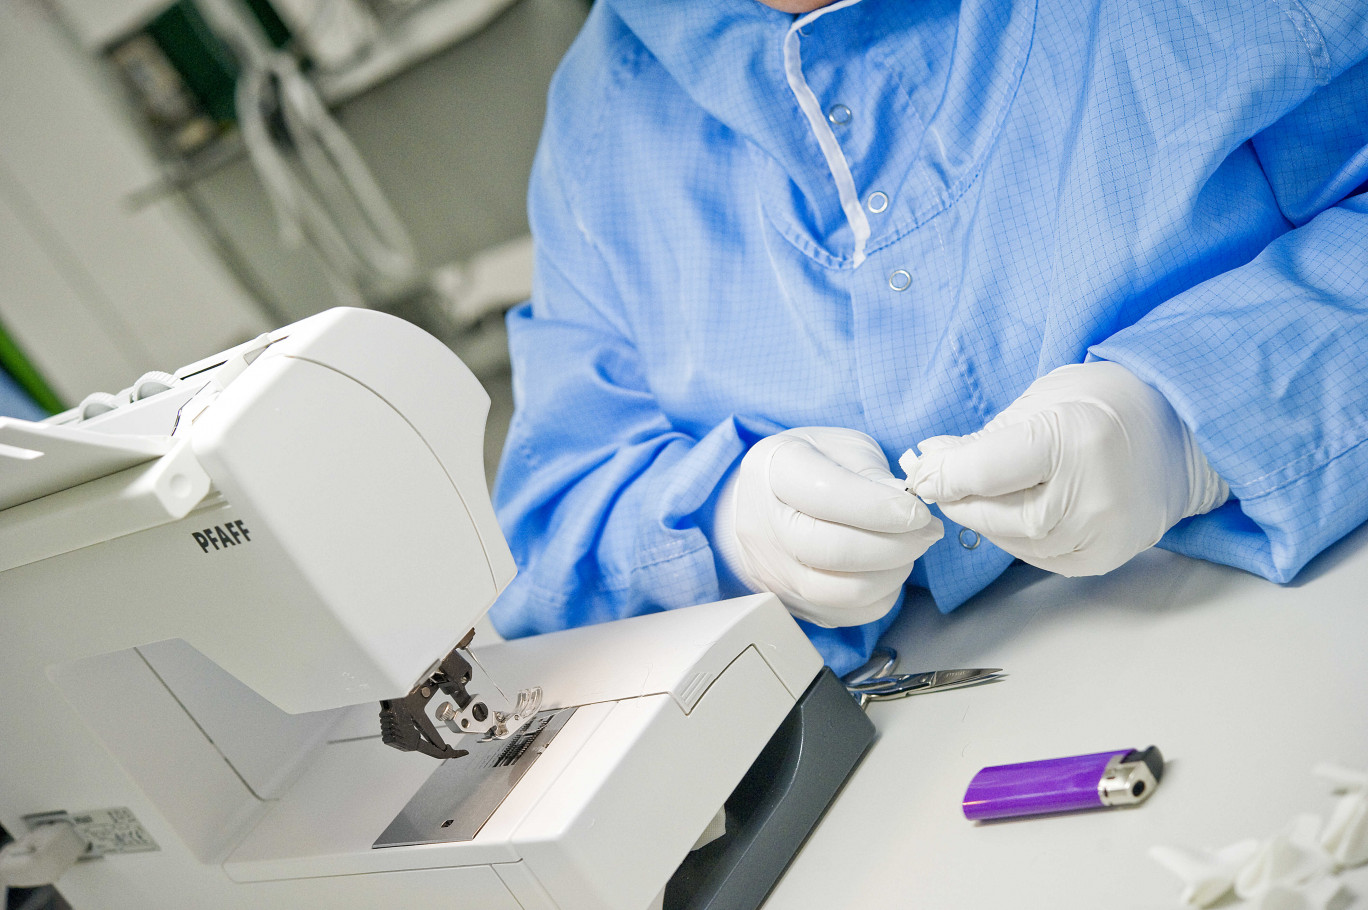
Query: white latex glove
[(1087, 468), (814, 516)]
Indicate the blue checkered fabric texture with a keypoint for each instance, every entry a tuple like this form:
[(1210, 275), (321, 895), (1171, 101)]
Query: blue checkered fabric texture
[(15, 402), (1168, 185)]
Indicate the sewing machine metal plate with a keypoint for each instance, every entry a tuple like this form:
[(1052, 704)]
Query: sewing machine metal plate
[(463, 792)]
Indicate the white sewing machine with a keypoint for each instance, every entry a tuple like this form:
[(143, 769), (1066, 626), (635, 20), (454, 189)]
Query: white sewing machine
[(209, 581)]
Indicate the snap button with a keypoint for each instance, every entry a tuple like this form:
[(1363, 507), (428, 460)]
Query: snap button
[(877, 202), (900, 280), (839, 114), (969, 538)]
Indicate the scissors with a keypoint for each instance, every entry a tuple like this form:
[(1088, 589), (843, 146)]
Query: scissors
[(874, 681)]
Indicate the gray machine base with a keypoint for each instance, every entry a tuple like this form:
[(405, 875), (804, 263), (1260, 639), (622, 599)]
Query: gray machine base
[(777, 803)]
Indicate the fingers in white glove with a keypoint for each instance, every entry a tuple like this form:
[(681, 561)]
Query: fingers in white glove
[(851, 449), (995, 480), (1087, 468), (836, 568), (820, 521), (846, 548), (807, 480), (952, 468), (835, 599)]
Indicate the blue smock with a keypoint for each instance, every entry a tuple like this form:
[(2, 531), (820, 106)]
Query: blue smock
[(895, 215)]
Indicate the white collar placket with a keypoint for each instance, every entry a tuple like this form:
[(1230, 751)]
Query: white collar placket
[(821, 129)]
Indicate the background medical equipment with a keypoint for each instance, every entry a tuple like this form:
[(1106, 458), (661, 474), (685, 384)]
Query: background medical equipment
[(211, 578), (1101, 780)]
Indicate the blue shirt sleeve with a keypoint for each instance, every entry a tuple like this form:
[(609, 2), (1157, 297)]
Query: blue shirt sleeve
[(1266, 362)]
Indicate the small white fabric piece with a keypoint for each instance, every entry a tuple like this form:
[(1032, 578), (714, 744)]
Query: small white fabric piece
[(1281, 897), (1318, 894), (1345, 836), (1327, 892), (1207, 875), (1346, 780), (821, 130), (1294, 870), (1289, 859)]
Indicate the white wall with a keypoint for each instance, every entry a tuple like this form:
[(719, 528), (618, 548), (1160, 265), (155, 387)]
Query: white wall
[(94, 291), (97, 22)]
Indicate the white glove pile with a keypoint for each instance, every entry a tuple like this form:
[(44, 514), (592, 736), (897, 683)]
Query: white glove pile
[(815, 516), (1087, 468), (1293, 870)]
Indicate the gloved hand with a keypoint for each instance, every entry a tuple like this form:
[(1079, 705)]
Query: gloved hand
[(814, 516), (1083, 471)]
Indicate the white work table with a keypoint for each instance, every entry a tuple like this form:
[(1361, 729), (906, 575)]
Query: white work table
[(1244, 685)]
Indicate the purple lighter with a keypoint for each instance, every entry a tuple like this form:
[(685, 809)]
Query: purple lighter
[(1122, 777)]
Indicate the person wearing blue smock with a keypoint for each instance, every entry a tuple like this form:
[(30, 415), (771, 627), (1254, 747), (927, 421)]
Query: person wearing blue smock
[(1095, 272)]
